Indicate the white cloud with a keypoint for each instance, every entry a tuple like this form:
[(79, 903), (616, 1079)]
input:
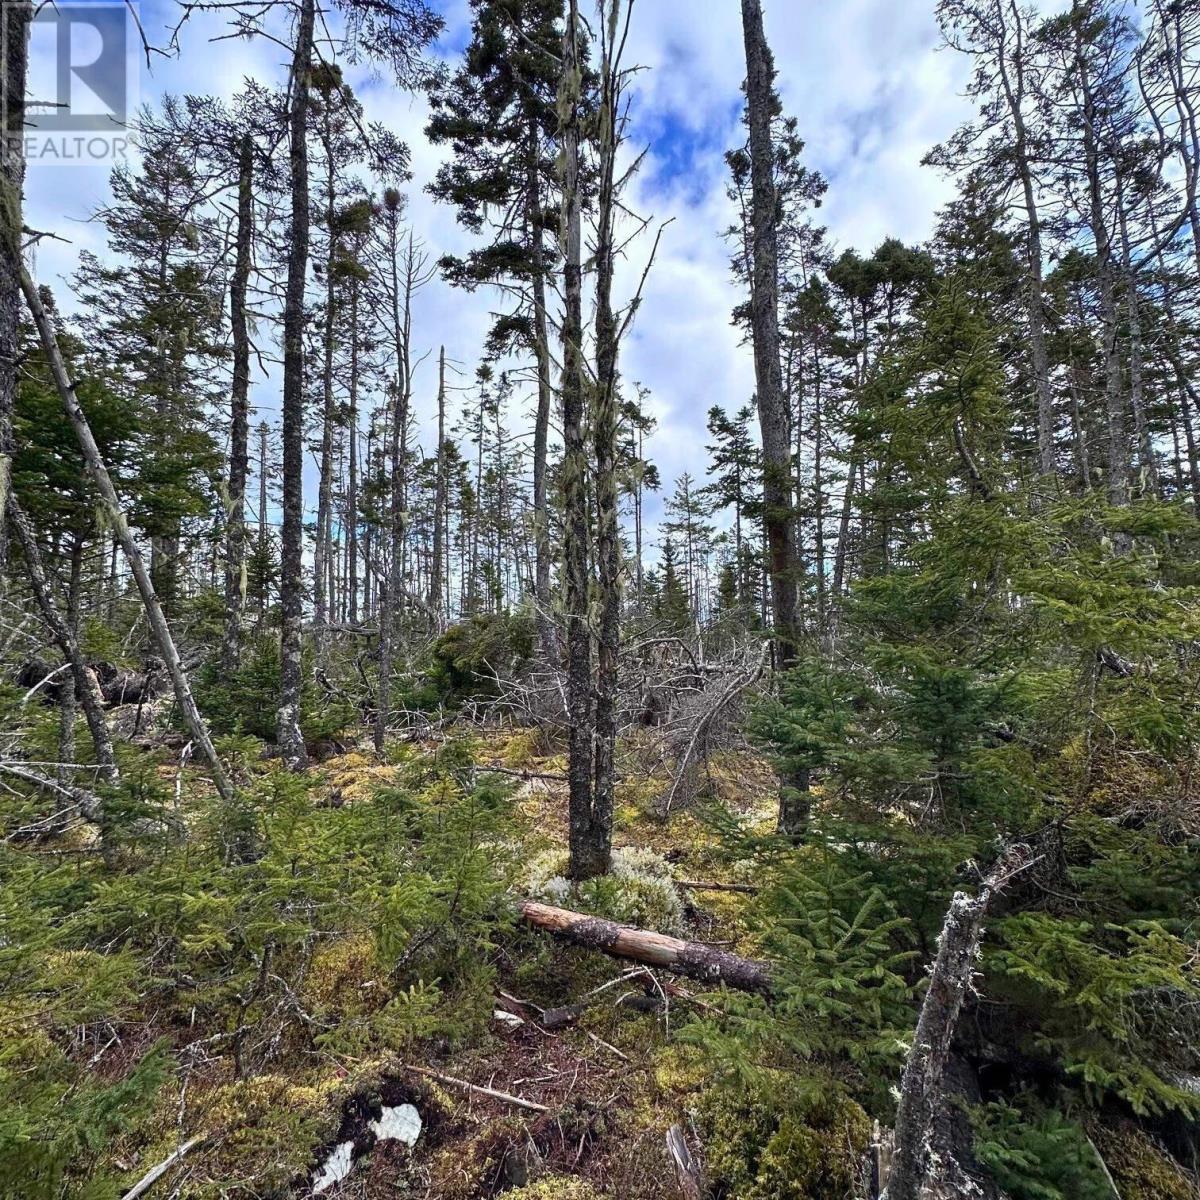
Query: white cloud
[(864, 77)]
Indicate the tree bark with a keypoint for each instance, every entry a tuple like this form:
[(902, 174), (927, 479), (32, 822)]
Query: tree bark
[(921, 1084), (322, 549), (541, 425), (691, 959), (1012, 78), (195, 723), (15, 51), (437, 586), (592, 853), (581, 712), (291, 576), (239, 415), (764, 321)]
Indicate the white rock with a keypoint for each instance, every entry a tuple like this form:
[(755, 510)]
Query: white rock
[(336, 1167), (401, 1123)]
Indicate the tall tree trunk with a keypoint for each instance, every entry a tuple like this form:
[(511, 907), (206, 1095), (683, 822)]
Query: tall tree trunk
[(291, 574), (591, 854), (541, 425), (772, 403), (1133, 318), (581, 712), (1114, 400), (161, 631), (437, 568), (1012, 78), (14, 66), (390, 604), (352, 468), (239, 415), (764, 317), (322, 550)]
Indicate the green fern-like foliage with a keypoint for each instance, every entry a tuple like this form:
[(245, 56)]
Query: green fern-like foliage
[(1037, 1153)]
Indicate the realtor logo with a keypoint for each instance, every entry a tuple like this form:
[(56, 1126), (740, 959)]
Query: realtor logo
[(82, 84)]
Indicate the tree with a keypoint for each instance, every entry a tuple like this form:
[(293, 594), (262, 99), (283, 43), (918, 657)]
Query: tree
[(762, 105), (498, 114)]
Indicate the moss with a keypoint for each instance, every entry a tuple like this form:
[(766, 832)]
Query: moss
[(264, 1132), (345, 978), (357, 776), (555, 1187), (1142, 1170), (784, 1139)]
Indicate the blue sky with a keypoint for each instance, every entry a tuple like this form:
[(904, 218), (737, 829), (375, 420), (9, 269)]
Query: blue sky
[(865, 78)]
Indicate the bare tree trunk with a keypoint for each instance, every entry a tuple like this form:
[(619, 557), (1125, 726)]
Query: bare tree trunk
[(581, 712), (921, 1085), (389, 607), (14, 66), (62, 629), (352, 481), (239, 423), (1012, 77), (1133, 317), (1114, 401), (291, 574), (764, 317), (437, 588), (322, 549), (99, 473), (541, 425), (591, 853)]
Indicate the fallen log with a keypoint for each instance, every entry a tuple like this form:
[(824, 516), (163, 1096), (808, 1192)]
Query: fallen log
[(692, 959)]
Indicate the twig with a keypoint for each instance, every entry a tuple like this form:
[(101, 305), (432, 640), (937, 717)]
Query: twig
[(156, 1172), (451, 1081)]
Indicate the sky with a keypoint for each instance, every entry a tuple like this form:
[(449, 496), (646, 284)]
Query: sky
[(866, 79)]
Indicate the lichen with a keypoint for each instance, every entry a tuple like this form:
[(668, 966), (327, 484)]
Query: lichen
[(638, 889)]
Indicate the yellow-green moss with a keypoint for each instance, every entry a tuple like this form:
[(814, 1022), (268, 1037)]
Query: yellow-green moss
[(555, 1187), (1141, 1169), (783, 1139)]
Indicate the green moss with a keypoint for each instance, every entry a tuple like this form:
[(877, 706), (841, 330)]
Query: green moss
[(1142, 1170), (784, 1139), (555, 1187)]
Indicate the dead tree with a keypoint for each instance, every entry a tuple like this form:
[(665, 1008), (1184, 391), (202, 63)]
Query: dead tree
[(157, 621), (921, 1084), (14, 60), (691, 959), (239, 405), (585, 861), (84, 680)]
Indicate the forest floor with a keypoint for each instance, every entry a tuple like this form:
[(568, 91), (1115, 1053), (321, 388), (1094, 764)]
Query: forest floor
[(611, 1077)]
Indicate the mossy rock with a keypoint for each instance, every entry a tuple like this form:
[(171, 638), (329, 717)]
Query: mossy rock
[(783, 1139), (1142, 1169)]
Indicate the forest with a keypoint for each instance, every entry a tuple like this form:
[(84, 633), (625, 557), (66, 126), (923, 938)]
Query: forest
[(410, 789)]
